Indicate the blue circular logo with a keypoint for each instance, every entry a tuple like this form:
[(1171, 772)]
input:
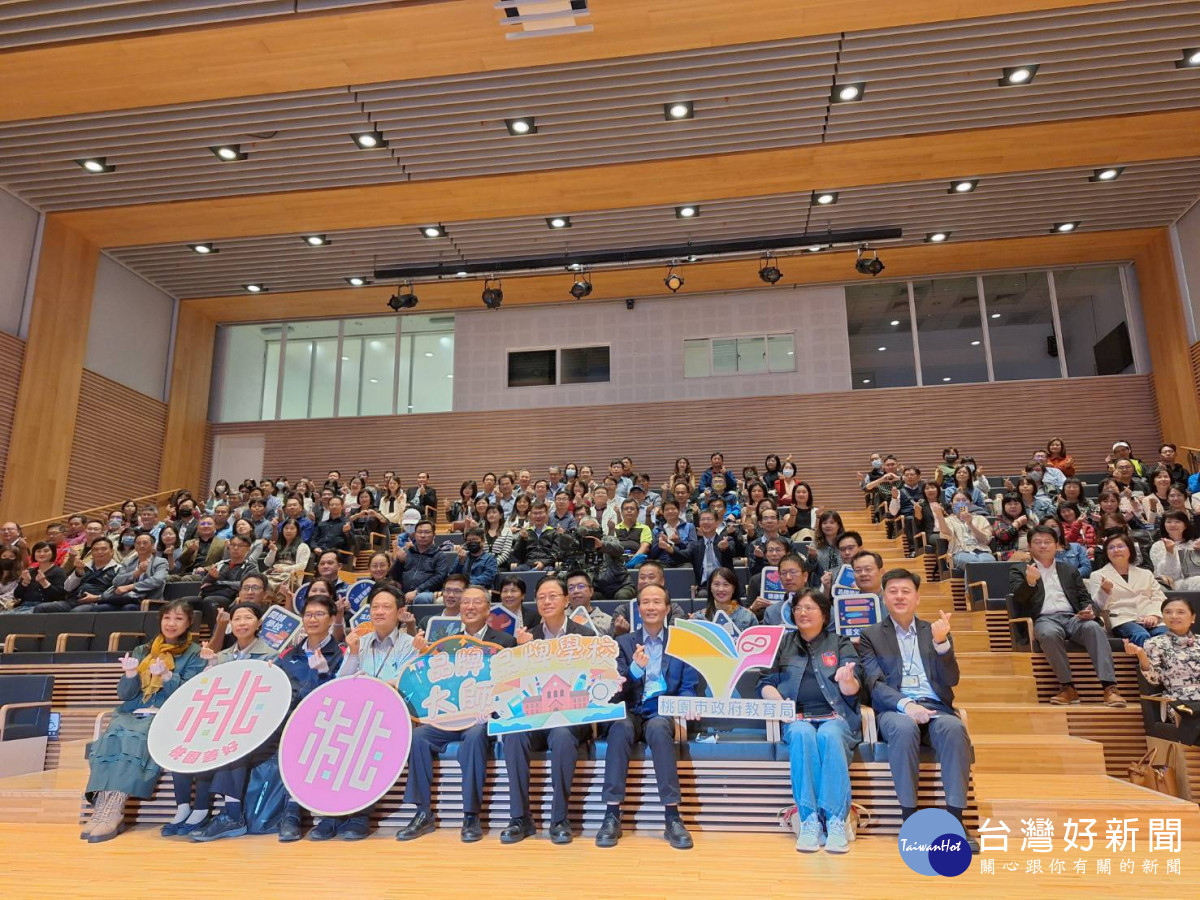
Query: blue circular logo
[(933, 842)]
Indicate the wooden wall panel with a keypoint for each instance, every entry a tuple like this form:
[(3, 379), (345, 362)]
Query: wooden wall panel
[(187, 419), (12, 354), (117, 450), (831, 435)]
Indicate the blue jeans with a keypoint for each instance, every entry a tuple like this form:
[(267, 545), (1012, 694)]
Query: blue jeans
[(820, 762), (969, 556), (1137, 634)]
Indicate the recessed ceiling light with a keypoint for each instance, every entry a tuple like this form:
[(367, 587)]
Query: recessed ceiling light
[(881, 349), (410, 406), (256, 288), (687, 212), (974, 343), (895, 321), (345, 359), (316, 240), (357, 281), (576, 267), (433, 231), (204, 249), (1017, 75), (449, 376), (937, 237), (428, 353), (523, 125), (374, 381), (815, 248), (559, 222), (1189, 60), (824, 198), (1064, 227), (964, 186), (947, 378), (460, 274), (368, 140), (848, 93), (96, 165), (866, 381), (1108, 173), (995, 315), (675, 112), (229, 152)]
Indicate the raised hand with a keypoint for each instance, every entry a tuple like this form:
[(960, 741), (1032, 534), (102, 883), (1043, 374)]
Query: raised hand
[(318, 663), (1032, 575), (129, 665), (222, 622), (641, 657), (157, 667), (419, 642), (353, 643), (522, 635), (845, 673), (759, 604), (1168, 545), (1135, 650), (208, 654), (1106, 585), (941, 627), (620, 625)]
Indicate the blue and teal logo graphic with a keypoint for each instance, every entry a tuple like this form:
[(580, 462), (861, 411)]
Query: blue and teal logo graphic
[(933, 842)]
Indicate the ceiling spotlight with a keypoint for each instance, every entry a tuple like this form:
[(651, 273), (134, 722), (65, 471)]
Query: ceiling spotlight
[(492, 296), (357, 281), (674, 112), (895, 321), (576, 267), (963, 187), (433, 231), (947, 378), (769, 272), (97, 165), (868, 266), (229, 152), (404, 298), (1064, 227), (881, 349), (461, 274), (866, 381), (975, 343), (1109, 173), (524, 125), (687, 212), (581, 286), (368, 140), (255, 288), (815, 248), (848, 93), (316, 240), (1189, 60), (559, 222), (824, 198), (936, 237), (673, 281), (1017, 75), (995, 315), (204, 249)]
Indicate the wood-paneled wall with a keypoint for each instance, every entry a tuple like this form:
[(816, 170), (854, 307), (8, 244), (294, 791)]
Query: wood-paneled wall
[(830, 435), (118, 446), (12, 354)]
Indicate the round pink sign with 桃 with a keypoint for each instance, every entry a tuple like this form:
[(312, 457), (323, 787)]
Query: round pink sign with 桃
[(345, 745)]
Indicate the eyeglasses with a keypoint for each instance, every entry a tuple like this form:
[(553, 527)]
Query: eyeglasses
[(317, 614), (576, 588)]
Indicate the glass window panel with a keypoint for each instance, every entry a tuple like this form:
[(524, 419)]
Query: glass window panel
[(724, 356), (378, 374), (1091, 310), (351, 362), (584, 365), (881, 347), (324, 376), (1020, 326), (697, 358), (752, 355), (528, 368), (297, 371), (270, 385), (949, 331), (242, 358), (433, 373), (781, 353)]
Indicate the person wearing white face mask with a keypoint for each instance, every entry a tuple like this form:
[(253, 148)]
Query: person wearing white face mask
[(782, 487)]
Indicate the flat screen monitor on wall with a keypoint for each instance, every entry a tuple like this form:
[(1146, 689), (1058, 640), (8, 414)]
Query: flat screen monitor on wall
[(1114, 353)]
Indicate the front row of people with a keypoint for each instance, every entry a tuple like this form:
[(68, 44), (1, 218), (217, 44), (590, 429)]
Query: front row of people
[(906, 664)]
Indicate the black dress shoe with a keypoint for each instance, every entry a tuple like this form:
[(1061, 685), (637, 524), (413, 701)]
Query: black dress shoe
[(289, 829), (324, 829), (421, 823), (355, 828), (472, 829), (560, 832), (610, 831), (517, 830), (677, 836)]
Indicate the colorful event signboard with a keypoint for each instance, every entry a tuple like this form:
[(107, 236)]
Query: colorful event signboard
[(772, 585), (345, 745), (277, 627), (570, 680), (854, 612), (450, 684), (357, 594), (843, 582), (219, 716), (503, 619)]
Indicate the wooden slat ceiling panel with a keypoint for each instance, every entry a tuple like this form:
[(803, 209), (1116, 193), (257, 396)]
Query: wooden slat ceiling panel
[(1002, 206), (1103, 60)]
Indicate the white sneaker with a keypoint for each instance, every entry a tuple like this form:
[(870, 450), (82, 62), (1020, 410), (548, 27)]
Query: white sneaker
[(809, 838), (835, 840)]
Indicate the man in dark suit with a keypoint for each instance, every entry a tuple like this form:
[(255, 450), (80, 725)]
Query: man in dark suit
[(648, 673), (911, 672), (424, 498), (710, 551), (563, 742), (473, 742), (1054, 596)]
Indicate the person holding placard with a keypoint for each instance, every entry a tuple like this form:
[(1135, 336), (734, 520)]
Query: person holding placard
[(648, 673), (820, 671), (472, 743), (120, 761), (793, 575), (563, 742)]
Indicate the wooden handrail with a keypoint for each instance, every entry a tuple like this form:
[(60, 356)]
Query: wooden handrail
[(35, 531), (1193, 457)]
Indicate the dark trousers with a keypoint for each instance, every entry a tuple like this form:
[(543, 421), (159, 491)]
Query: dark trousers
[(951, 747), (182, 785), (472, 757), (659, 734), (232, 780), (563, 744), (91, 607)]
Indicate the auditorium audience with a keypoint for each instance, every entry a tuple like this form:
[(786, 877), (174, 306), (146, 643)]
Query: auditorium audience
[(1058, 458), (41, 582), (1172, 659), (968, 533), (1129, 593), (1175, 557)]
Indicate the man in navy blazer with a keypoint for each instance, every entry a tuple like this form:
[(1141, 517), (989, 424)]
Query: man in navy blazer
[(911, 672), (710, 550), (649, 673)]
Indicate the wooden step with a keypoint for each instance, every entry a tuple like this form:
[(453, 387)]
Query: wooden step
[(970, 641), (1014, 797), (987, 663), (995, 689), (1040, 754), (1015, 718)]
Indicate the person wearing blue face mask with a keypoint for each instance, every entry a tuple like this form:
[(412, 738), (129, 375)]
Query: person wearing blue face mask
[(969, 533)]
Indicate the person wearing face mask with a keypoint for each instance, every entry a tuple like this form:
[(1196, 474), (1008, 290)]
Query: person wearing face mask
[(783, 486), (945, 469), (473, 560), (969, 534)]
